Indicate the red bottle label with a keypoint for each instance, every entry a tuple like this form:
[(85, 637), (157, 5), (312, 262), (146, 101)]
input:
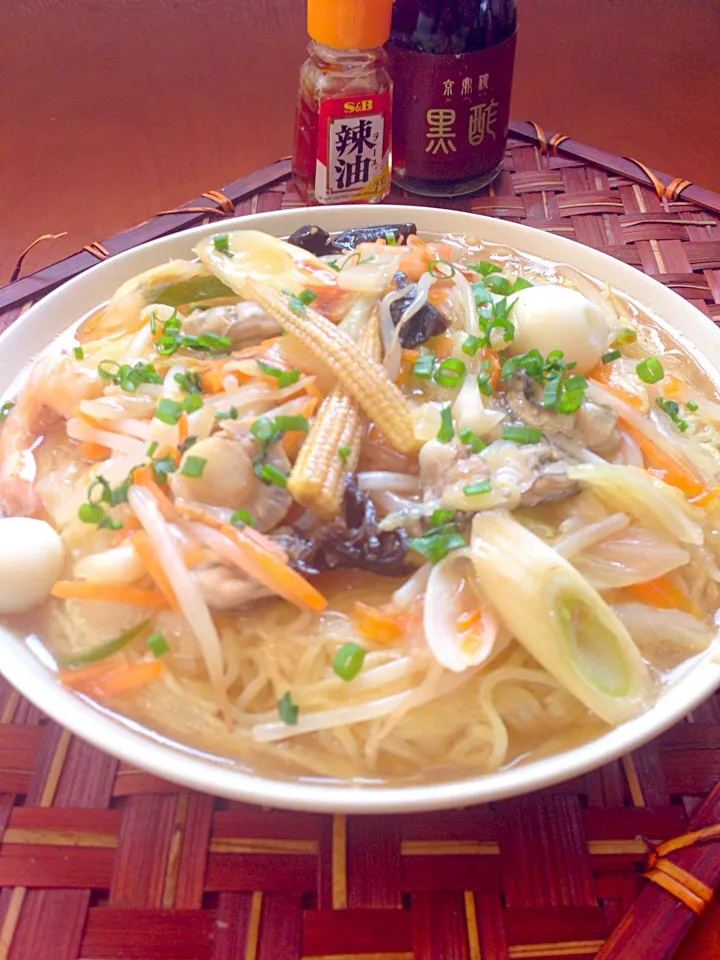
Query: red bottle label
[(451, 113), (353, 149)]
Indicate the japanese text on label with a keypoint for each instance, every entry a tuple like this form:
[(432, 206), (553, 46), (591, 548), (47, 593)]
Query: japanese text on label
[(356, 151)]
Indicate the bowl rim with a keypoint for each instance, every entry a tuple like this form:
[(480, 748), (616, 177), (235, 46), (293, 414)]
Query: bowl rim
[(128, 741)]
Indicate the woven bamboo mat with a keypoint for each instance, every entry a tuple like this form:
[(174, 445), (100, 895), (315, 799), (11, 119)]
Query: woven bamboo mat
[(99, 861)]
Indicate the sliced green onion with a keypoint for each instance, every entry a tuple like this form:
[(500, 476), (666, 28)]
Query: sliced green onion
[(192, 402), (344, 453), (390, 239), (288, 710), (471, 345), (447, 430), (450, 372), (106, 369), (263, 429), (348, 661), (158, 644), (107, 523), (270, 474), (475, 442), (288, 377), (79, 353), (691, 405), (485, 268), (424, 366), (169, 411), (152, 448), (672, 409), (624, 335), (610, 356), (284, 377), (498, 284), (299, 302), (5, 410), (480, 486), (650, 370), (127, 377), (484, 385), (441, 516), (573, 393), (241, 518), (436, 547), (186, 444), (189, 382), (91, 513), (436, 268), (221, 242), (106, 649), (193, 467), (231, 414), (522, 434), (161, 468), (285, 423)]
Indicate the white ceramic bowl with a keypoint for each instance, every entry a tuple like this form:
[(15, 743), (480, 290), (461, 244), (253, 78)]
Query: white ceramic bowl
[(129, 741)]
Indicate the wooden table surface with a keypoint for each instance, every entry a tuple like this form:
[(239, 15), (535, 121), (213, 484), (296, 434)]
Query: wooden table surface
[(114, 110)]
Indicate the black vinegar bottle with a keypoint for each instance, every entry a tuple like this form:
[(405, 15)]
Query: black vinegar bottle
[(452, 64)]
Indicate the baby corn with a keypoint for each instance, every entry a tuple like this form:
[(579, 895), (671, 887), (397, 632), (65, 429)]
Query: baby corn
[(332, 448), (364, 379)]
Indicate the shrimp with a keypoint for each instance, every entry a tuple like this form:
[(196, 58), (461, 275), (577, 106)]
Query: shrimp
[(54, 388)]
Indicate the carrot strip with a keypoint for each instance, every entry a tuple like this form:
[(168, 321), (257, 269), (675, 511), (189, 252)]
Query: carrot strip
[(108, 593), (193, 556), (672, 385), (312, 389), (292, 440), (662, 593), (130, 525), (94, 451), (91, 421), (672, 471), (193, 512), (143, 477), (377, 624), (601, 375), (81, 676), (275, 574), (212, 381), (486, 354), (146, 552), (183, 428), (129, 678), (442, 346)]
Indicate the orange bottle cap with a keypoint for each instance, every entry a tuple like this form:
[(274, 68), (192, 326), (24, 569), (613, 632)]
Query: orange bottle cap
[(350, 24)]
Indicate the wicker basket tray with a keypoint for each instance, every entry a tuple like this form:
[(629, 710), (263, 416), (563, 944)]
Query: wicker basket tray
[(100, 861)]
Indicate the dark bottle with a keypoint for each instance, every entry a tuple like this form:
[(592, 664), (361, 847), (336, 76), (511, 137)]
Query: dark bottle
[(452, 64)]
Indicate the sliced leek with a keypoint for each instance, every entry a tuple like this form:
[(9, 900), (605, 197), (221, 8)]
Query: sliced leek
[(557, 616)]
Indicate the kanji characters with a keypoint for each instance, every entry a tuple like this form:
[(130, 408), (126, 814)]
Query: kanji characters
[(483, 117), (440, 135)]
